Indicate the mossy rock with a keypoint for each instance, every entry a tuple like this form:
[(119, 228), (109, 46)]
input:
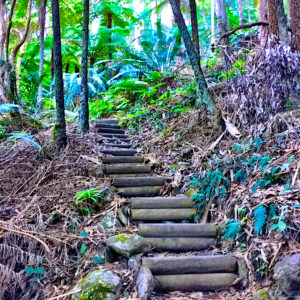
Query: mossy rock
[(261, 295), (128, 245), (98, 285)]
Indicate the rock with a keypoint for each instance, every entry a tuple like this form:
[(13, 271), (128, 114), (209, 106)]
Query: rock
[(261, 295), (287, 274), (145, 283), (95, 171), (243, 272), (98, 285), (128, 245), (123, 219), (134, 263), (109, 222)]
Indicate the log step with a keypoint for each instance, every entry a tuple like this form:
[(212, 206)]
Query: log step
[(112, 140), (123, 159), (126, 169), (162, 202), (110, 130), (194, 282), (139, 181), (118, 145), (119, 152), (115, 135), (177, 230), (107, 125), (108, 121), (190, 264), (129, 175), (165, 214), (139, 191), (180, 243)]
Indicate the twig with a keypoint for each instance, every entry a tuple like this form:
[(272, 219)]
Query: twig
[(25, 233), (295, 175), (64, 295)]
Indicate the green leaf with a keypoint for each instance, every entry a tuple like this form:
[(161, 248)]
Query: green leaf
[(232, 228), (39, 270), (240, 176), (84, 234), (83, 249), (259, 218), (98, 259), (29, 270), (281, 225), (287, 164)]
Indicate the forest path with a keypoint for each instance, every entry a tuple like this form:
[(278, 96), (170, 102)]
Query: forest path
[(163, 221)]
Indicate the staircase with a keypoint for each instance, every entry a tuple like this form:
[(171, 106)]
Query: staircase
[(163, 221)]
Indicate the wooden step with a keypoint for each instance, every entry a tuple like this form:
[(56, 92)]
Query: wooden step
[(113, 140), (194, 282), (165, 214), (123, 159), (126, 169), (119, 152), (139, 191), (108, 121), (162, 202), (118, 145), (115, 135), (177, 230), (180, 243), (139, 181), (190, 264), (110, 130), (129, 175), (107, 125)]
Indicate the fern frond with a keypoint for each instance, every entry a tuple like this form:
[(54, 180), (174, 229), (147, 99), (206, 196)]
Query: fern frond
[(26, 138), (9, 107), (231, 229), (259, 218)]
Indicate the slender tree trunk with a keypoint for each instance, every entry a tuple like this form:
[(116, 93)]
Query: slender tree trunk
[(194, 22), (42, 20), (2, 28), (273, 19), (23, 39), (263, 17), (9, 24), (109, 26), (60, 128), (241, 15), (202, 88), (282, 22), (203, 15), (83, 119), (223, 28), (294, 9), (249, 16), (212, 20)]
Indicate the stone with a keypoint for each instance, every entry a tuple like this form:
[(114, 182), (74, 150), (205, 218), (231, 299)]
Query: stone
[(128, 245), (109, 222), (243, 272), (95, 171), (261, 295), (123, 219), (287, 275), (98, 285), (145, 283)]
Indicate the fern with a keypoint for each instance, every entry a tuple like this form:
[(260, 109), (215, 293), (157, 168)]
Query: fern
[(231, 229), (9, 107), (26, 138), (259, 219)]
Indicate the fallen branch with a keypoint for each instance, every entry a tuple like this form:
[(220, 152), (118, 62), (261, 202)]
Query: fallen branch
[(243, 26)]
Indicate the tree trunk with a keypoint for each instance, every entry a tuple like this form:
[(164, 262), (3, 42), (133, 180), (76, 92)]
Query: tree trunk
[(241, 15), (263, 17), (282, 22), (2, 29), (203, 15), (109, 26), (8, 86), (223, 28), (212, 13), (273, 19), (42, 19), (83, 119), (194, 22), (202, 88), (23, 39), (60, 127), (294, 8), (9, 24)]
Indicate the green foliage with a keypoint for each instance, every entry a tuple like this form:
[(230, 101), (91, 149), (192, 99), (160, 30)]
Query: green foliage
[(259, 218), (87, 201), (23, 136), (231, 229), (213, 185), (236, 69)]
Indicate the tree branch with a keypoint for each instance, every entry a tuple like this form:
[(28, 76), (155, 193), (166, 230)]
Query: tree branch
[(243, 26), (9, 24)]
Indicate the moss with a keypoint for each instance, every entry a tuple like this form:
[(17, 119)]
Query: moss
[(264, 295), (54, 132), (121, 238)]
